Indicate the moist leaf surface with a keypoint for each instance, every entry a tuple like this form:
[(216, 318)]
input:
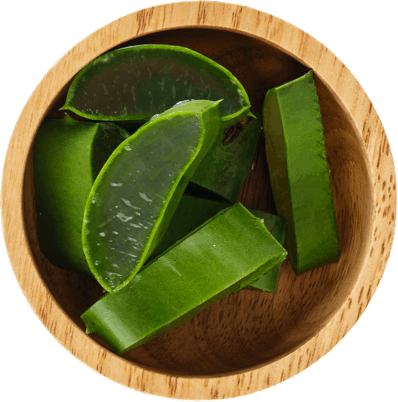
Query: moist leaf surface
[(136, 82), (139, 188)]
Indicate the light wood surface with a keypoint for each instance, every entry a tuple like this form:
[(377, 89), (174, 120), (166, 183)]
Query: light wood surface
[(251, 340)]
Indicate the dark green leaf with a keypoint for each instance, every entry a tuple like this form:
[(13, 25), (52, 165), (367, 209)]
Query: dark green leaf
[(198, 271)]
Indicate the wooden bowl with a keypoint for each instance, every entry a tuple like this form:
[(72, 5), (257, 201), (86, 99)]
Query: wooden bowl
[(250, 340)]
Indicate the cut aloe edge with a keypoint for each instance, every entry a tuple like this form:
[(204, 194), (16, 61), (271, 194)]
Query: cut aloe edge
[(136, 82), (193, 212), (146, 308), (139, 188), (277, 227), (226, 166), (68, 155), (299, 173)]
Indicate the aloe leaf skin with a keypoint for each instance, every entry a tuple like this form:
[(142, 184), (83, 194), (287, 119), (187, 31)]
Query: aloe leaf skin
[(193, 212), (199, 270), (190, 214), (136, 82), (300, 175), (68, 155), (277, 226), (226, 166), (139, 188)]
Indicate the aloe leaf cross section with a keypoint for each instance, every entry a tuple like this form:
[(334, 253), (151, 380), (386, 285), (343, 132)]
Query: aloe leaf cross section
[(68, 155), (198, 271), (139, 188), (136, 82), (299, 173)]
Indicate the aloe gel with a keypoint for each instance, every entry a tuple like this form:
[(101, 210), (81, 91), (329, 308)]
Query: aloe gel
[(139, 188), (136, 82)]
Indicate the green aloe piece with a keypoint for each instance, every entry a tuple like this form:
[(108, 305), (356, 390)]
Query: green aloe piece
[(227, 164), (136, 82), (300, 175), (68, 155), (198, 271), (190, 214), (277, 226), (193, 212), (139, 188)]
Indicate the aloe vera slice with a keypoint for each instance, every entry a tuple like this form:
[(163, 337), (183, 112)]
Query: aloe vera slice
[(190, 214), (68, 155), (139, 188), (198, 271), (193, 212), (227, 164), (134, 83), (277, 226), (300, 176)]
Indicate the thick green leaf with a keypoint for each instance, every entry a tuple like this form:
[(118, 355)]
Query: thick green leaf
[(134, 83), (68, 155), (198, 271), (139, 188), (300, 176), (277, 226), (227, 164), (193, 212)]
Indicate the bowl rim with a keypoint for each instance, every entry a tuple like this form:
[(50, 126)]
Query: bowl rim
[(292, 41)]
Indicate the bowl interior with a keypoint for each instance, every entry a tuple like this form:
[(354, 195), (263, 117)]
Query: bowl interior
[(250, 328)]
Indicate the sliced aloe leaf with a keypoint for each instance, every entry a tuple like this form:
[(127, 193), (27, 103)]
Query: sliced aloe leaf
[(134, 83), (227, 164), (193, 212), (68, 155), (199, 270), (300, 176), (190, 214), (139, 188), (277, 226)]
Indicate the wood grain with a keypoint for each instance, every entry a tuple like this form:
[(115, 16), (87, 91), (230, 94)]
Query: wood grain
[(250, 340)]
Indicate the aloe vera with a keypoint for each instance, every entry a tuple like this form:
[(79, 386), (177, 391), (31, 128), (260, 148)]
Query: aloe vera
[(139, 188), (193, 212), (68, 155), (198, 271), (276, 225), (300, 175), (136, 82), (227, 164)]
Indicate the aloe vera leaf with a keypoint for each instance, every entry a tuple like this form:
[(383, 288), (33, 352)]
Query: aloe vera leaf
[(300, 175), (68, 155), (226, 166), (193, 212), (139, 188), (136, 82), (190, 214), (277, 226), (199, 270)]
